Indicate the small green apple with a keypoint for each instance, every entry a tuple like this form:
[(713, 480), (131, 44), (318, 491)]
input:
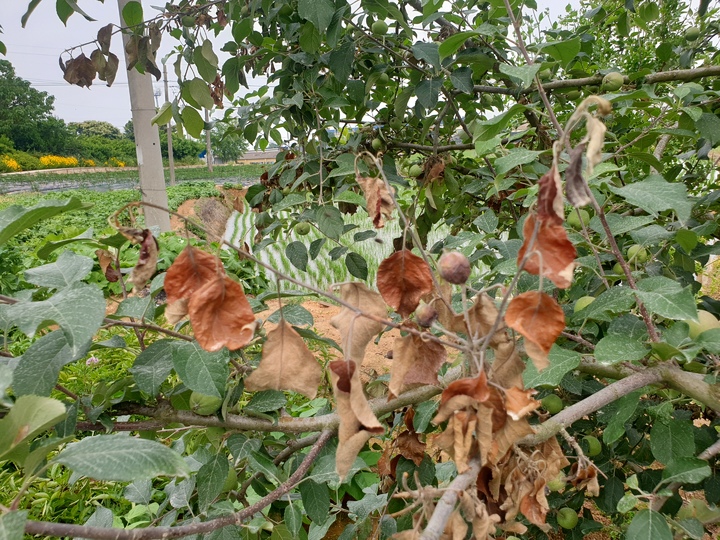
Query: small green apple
[(552, 403), (302, 228), (638, 254), (377, 144), (574, 219), (692, 33), (415, 171), (594, 446), (613, 81), (379, 28), (558, 483), (567, 518), (582, 303), (204, 405), (706, 321)]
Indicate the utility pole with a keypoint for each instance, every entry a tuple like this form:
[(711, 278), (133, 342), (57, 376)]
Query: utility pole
[(171, 158), (208, 146), (147, 142)]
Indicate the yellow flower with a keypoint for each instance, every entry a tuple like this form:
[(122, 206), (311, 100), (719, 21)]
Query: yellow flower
[(58, 162), (8, 164)]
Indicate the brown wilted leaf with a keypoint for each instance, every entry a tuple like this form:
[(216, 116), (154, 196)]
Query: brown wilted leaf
[(416, 361), (286, 364), (221, 315), (483, 523), (380, 204), (357, 331), (507, 367), (540, 320), (411, 447), (433, 168), (456, 528), (534, 506), (131, 51), (458, 439), (575, 186), (505, 438), (554, 253), (482, 316), (175, 311), (519, 403), (111, 68), (106, 260), (402, 279), (441, 302), (595, 140), (147, 261), (103, 38), (550, 206), (98, 60), (357, 421), (79, 71), (583, 475), (191, 270)]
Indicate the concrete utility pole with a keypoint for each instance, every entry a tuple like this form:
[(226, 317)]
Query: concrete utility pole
[(147, 142), (208, 146), (171, 158)]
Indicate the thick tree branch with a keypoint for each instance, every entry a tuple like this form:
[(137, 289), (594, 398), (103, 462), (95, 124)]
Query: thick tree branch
[(101, 533), (446, 504)]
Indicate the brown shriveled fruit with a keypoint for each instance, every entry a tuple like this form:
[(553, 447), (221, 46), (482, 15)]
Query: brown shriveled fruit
[(454, 267), (426, 315)]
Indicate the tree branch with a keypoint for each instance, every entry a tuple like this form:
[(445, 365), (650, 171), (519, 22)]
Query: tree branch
[(446, 504), (100, 533)]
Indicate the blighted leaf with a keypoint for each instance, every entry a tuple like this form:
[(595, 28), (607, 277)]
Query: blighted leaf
[(147, 262), (131, 51), (379, 200), (595, 140), (221, 315), (286, 364), (553, 253), (411, 447), (519, 403), (80, 71), (458, 439), (106, 261), (575, 186), (357, 331), (550, 205), (103, 38), (98, 60), (402, 279), (192, 269), (540, 320), (357, 421), (111, 68), (416, 361), (175, 311), (583, 475)]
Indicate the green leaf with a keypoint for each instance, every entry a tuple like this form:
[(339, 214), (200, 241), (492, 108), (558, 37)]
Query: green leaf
[(429, 52), (241, 446), (686, 239), (451, 45), (489, 128), (664, 297), (294, 314), (524, 75), (132, 13), (136, 307), (15, 219), (371, 502), (617, 348), (562, 361), (266, 401), (487, 221), (620, 224), (121, 458), (461, 78), (152, 366), (12, 525), (427, 92), (710, 340), (341, 59), (30, 416), (316, 500), (618, 412), (655, 194), (686, 470), (614, 300), (329, 221), (310, 39), (260, 462), (627, 503), (562, 51), (201, 371), (672, 440), (193, 122), (164, 114), (648, 525), (709, 127), (39, 367), (200, 92), (297, 253), (318, 12), (63, 10), (79, 310), (24, 19), (516, 157), (210, 480), (356, 265), (693, 527), (293, 518), (424, 412)]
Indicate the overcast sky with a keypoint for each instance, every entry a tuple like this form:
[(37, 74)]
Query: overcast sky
[(34, 53)]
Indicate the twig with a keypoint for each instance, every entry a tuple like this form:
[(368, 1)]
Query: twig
[(100, 533)]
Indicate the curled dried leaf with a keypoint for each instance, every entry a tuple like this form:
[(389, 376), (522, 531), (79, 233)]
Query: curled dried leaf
[(107, 261), (98, 60), (458, 439), (540, 320), (190, 271), (553, 253), (403, 279), (147, 261), (595, 139), (576, 188), (286, 364), (104, 36), (176, 311), (221, 315), (379, 200), (80, 71), (357, 331), (111, 68), (411, 447), (357, 421), (519, 402), (550, 205), (416, 361)]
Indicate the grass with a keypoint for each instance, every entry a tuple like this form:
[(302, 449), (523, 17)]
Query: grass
[(183, 174)]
